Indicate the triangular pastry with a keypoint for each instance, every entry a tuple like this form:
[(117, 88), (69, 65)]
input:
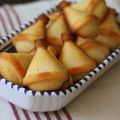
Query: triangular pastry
[(74, 59), (110, 22), (109, 32), (79, 21), (55, 30), (45, 72), (13, 66), (92, 7), (24, 42), (95, 50)]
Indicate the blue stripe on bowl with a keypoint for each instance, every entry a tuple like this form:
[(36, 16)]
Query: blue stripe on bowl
[(12, 85), (48, 11), (42, 93), (12, 34), (25, 90), (112, 56), (3, 40), (70, 89), (49, 93), (6, 81), (57, 92), (104, 63), (1, 77), (17, 31), (8, 37), (30, 22), (90, 75), (80, 83), (18, 87), (85, 79), (116, 52), (76, 86), (33, 93), (64, 92), (99, 67), (95, 72)]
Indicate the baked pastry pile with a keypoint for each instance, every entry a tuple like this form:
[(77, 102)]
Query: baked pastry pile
[(61, 48)]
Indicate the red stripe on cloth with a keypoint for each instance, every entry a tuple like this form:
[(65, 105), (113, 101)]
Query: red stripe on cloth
[(37, 116), (15, 14), (57, 115), (68, 116), (9, 17), (15, 112), (47, 115), (26, 114), (3, 23)]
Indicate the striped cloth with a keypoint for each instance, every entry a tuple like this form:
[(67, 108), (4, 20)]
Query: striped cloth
[(7, 16), (100, 101)]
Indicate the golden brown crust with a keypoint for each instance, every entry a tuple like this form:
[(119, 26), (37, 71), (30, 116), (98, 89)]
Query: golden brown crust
[(23, 37), (108, 32), (109, 11), (11, 59), (109, 38), (40, 43), (33, 51), (104, 16), (52, 37), (67, 36), (96, 50), (89, 19), (53, 49), (80, 40), (63, 4), (79, 76), (54, 41), (67, 84), (47, 85), (83, 69), (92, 6), (92, 44), (44, 18), (44, 76)]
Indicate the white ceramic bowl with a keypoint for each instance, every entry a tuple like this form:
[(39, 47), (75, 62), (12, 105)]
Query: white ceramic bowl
[(48, 101)]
